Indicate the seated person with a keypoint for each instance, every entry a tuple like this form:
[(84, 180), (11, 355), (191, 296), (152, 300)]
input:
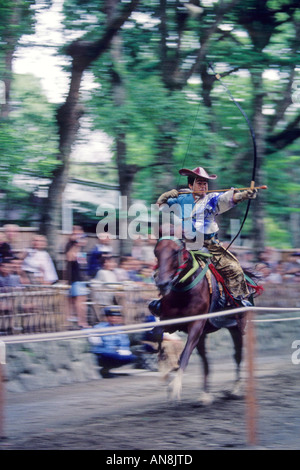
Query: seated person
[(111, 350)]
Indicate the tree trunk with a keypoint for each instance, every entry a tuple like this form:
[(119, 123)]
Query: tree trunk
[(68, 123), (83, 54)]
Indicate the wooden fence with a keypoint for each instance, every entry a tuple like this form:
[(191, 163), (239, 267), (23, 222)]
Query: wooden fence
[(43, 309), (33, 309)]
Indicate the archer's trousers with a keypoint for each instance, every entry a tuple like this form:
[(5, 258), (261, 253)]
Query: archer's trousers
[(229, 268)]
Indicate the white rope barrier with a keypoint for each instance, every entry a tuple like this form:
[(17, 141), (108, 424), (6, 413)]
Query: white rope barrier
[(267, 320), (65, 335)]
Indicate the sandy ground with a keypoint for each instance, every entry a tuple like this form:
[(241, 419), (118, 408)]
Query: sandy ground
[(132, 412)]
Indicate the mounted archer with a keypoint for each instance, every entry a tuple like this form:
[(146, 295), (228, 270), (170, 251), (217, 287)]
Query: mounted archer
[(199, 209)]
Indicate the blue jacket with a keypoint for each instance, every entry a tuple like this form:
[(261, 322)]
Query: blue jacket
[(109, 343), (200, 215)]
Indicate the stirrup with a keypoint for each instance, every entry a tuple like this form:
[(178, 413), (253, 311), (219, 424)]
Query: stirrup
[(243, 302), (246, 303)]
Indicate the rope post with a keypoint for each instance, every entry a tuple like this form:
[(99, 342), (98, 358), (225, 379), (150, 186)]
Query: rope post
[(2, 362), (251, 405)]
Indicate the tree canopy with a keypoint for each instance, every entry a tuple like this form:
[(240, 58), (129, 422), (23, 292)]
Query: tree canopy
[(157, 96)]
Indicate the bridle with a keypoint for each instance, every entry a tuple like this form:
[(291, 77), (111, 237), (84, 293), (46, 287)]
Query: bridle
[(182, 254), (183, 257)]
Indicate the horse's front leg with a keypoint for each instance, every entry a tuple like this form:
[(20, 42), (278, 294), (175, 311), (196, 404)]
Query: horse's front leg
[(237, 338), (206, 398), (194, 332)]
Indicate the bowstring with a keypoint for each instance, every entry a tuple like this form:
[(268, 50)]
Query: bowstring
[(217, 76)]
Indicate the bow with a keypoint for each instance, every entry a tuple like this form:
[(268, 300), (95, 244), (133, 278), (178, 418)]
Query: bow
[(252, 184)]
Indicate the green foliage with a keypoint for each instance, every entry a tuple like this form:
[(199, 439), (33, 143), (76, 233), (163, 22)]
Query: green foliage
[(166, 120), (28, 139), (276, 234)]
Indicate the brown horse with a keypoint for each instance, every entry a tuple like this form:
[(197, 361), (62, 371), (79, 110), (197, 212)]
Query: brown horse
[(187, 298)]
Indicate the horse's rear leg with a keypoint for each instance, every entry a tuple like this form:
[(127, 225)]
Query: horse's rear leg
[(237, 338), (206, 397)]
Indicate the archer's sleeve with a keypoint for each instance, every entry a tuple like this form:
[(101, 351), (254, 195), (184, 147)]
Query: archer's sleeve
[(225, 202), (172, 200)]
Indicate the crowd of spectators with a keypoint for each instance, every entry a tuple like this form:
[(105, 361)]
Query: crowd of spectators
[(26, 265), (101, 263), (271, 267), (87, 264)]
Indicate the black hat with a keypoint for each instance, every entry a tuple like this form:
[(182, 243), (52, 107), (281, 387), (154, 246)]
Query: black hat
[(113, 310)]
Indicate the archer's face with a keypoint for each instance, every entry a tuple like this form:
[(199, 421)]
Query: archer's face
[(200, 187)]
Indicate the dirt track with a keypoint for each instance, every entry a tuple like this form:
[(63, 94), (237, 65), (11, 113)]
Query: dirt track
[(131, 412)]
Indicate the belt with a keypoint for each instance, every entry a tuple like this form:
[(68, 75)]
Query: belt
[(209, 236)]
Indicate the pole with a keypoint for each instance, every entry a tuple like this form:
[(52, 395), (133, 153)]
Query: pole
[(2, 362), (251, 405)]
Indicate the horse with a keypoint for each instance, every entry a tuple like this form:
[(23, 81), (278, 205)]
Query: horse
[(184, 296)]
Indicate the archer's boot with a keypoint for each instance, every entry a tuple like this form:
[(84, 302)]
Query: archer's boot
[(243, 302)]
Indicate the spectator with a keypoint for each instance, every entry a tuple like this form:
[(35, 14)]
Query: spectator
[(270, 257), (76, 234), (11, 234), (96, 256), (7, 241), (78, 290), (276, 276), (112, 350), (133, 267), (121, 271), (18, 273), (108, 272), (147, 275), (137, 249), (292, 267), (263, 271), (38, 264), (5, 274), (246, 259), (105, 275)]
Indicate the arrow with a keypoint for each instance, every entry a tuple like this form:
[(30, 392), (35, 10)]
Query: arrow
[(187, 191)]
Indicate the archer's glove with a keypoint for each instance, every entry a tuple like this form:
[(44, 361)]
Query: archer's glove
[(165, 196), (248, 194)]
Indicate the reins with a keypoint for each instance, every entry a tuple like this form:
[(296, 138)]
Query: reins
[(182, 265)]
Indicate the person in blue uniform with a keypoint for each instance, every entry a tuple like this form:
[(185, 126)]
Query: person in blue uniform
[(111, 350)]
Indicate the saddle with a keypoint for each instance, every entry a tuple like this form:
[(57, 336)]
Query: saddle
[(221, 298), (220, 295)]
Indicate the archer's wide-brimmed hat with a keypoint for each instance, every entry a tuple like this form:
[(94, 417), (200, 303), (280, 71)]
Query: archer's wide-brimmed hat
[(198, 172)]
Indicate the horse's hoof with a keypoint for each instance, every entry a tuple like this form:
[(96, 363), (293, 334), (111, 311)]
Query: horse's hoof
[(234, 394), (174, 394), (237, 392), (206, 399), (175, 388)]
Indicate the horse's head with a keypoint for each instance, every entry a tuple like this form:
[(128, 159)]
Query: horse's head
[(171, 254)]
